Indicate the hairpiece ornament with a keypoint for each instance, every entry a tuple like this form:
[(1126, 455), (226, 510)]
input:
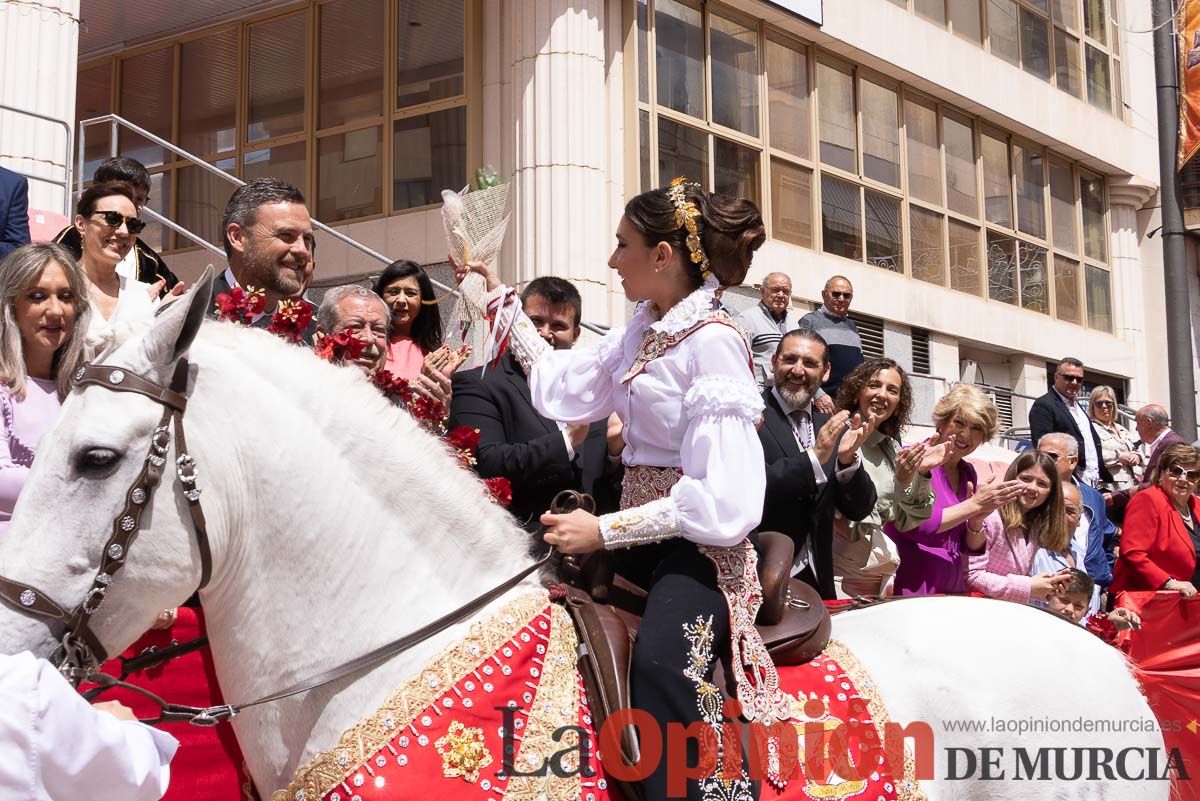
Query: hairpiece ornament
[(686, 215)]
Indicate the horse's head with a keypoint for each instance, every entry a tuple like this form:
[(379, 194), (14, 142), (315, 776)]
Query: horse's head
[(84, 469)]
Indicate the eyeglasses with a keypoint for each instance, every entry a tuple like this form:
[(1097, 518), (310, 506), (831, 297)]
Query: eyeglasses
[(1071, 379), (1191, 476), (1102, 404), (841, 295), (113, 219)]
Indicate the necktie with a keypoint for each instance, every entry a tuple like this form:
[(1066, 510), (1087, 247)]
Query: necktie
[(803, 422)]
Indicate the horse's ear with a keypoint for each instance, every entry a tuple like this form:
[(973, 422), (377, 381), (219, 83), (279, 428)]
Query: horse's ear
[(178, 321)]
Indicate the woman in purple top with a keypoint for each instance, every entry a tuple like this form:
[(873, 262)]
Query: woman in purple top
[(933, 556), (42, 325)]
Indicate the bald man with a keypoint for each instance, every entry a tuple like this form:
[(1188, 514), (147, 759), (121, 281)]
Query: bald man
[(768, 321), (1153, 426), (833, 323)]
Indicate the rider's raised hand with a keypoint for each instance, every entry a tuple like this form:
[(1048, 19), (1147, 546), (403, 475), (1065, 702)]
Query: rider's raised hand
[(461, 271)]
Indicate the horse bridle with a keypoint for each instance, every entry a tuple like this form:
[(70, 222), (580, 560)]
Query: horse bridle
[(80, 653)]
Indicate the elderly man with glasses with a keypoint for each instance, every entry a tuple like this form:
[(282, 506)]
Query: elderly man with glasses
[(833, 323), (1058, 411), (1154, 429)]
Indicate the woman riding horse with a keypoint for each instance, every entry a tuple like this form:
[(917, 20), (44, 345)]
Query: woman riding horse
[(678, 375)]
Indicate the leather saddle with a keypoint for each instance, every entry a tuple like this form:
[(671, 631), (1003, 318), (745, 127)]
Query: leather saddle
[(793, 622)]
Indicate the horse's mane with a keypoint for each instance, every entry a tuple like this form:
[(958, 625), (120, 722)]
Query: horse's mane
[(393, 456)]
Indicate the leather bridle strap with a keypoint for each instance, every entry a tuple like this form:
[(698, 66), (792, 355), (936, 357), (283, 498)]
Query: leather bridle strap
[(81, 651)]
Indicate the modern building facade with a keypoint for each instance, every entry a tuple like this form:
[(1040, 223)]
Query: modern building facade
[(984, 171)]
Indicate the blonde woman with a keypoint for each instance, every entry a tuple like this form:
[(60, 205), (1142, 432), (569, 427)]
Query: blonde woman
[(1118, 451), (42, 325), (933, 554)]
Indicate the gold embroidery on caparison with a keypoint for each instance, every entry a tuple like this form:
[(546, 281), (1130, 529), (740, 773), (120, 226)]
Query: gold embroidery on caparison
[(908, 788), (463, 752), (556, 704), (325, 771)]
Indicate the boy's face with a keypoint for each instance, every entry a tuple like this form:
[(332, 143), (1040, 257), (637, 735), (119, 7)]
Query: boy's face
[(1073, 606)]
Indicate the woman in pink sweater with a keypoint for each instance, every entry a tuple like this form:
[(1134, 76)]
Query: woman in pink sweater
[(1034, 520)]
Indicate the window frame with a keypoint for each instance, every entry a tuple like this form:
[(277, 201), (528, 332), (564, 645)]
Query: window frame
[(310, 135)]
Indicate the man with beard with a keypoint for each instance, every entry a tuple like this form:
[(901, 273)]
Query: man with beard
[(269, 242), (360, 311), (813, 464)]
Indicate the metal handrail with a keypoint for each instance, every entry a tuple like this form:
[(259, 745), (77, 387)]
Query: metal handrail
[(115, 121), (65, 183)]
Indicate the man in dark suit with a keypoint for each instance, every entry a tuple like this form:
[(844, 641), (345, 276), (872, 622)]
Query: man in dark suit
[(1154, 429), (1058, 411), (813, 464), (143, 262), (268, 238), (14, 211), (539, 456)]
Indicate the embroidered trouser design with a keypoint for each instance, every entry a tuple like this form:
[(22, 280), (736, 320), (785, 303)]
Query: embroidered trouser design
[(685, 630)]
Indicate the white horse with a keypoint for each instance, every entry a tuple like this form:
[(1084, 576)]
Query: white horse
[(338, 524)]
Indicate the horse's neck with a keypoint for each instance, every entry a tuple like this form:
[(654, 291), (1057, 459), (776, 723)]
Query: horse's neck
[(322, 556)]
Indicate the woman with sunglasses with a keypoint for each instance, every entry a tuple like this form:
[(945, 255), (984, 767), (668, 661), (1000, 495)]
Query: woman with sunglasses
[(1162, 534), (1116, 443), (108, 225)]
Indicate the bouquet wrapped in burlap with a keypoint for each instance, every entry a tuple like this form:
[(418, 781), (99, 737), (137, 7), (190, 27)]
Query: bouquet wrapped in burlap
[(475, 221)]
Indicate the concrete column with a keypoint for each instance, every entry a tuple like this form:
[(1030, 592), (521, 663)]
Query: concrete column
[(1128, 279), (1028, 376), (39, 56), (561, 121)]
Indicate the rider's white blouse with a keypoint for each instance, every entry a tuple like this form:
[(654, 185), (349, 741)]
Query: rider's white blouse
[(54, 747), (695, 407)]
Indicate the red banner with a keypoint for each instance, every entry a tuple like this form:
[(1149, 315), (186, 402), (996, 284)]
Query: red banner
[(1166, 651), (1188, 27)]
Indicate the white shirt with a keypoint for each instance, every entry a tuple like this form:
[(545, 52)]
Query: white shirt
[(55, 747), (695, 407), (134, 305), (1091, 470)]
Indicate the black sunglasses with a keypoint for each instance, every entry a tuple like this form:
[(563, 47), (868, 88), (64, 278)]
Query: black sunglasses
[(842, 295), (113, 219), (1071, 379)]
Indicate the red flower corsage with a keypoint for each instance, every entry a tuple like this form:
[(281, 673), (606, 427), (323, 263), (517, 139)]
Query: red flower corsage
[(501, 490), (290, 320), (340, 347), (240, 305)]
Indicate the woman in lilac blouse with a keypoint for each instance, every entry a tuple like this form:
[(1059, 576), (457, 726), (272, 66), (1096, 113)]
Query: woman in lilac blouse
[(933, 556), (42, 326)]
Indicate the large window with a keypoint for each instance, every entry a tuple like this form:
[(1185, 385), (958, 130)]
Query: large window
[(1073, 44), (848, 162), (384, 131)]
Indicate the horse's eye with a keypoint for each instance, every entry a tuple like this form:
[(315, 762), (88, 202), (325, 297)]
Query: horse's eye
[(97, 460)]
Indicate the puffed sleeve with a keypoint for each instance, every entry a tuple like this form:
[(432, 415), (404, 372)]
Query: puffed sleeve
[(73, 750), (719, 498), (570, 386)]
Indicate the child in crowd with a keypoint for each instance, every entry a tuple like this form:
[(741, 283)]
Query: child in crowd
[(1072, 556), (1073, 602)]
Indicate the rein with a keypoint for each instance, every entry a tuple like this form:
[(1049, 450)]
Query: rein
[(80, 653)]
